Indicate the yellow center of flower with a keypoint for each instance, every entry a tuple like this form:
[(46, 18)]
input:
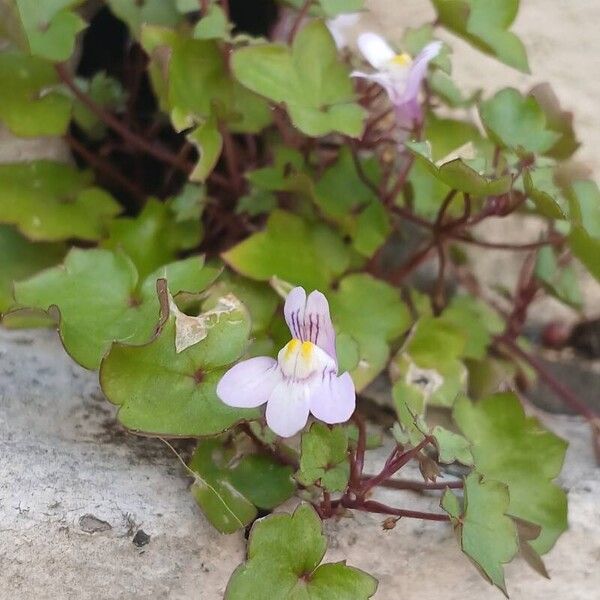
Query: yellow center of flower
[(402, 60), (299, 360)]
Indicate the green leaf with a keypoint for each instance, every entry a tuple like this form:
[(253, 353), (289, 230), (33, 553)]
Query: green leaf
[(29, 106), (586, 249), (324, 457), (308, 78), (457, 175), (153, 238), (330, 8), (101, 299), (344, 198), (517, 122), (485, 24), (228, 491), (148, 12), (20, 259), (307, 254), (50, 201), (168, 386), (487, 535), (214, 25), (558, 120), (50, 27), (452, 447), (515, 450), (371, 312), (540, 187), (584, 206), (560, 282), (284, 553), (208, 140)]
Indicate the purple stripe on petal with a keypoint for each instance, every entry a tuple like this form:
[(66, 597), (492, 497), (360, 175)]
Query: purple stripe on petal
[(249, 383), (333, 398), (418, 70), (318, 326), (288, 408), (294, 311)]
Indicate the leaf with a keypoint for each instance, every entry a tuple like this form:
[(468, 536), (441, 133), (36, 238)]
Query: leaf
[(153, 238), (149, 12), (560, 282), (485, 24), (540, 187), (371, 312), (517, 122), (208, 140), (50, 26), (213, 25), (284, 553), (164, 392), (324, 457), (487, 535), (228, 491), (101, 299), (457, 175), (29, 106), (51, 201), (586, 249), (558, 120), (584, 206), (307, 254), (308, 78), (515, 450), (20, 259), (452, 447), (344, 198), (330, 8)]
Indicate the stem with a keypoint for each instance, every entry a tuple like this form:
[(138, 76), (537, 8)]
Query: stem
[(379, 508), (300, 17), (231, 159), (204, 6), (359, 457), (360, 171), (392, 465), (408, 267), (225, 7), (501, 246), (132, 138), (106, 168), (438, 294), (416, 486), (267, 449), (442, 212)]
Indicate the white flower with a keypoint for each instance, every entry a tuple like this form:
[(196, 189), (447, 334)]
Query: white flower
[(398, 74), (304, 378), (339, 27)]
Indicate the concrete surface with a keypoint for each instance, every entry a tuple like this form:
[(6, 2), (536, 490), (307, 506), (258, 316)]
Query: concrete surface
[(75, 490)]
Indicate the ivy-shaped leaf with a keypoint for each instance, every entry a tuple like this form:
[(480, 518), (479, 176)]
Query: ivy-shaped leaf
[(485, 24), (20, 259), (517, 122), (540, 187), (284, 553), (330, 8), (29, 106), (229, 490), (307, 254), (354, 305), (50, 201), (324, 457), (308, 78), (148, 12), (101, 299), (214, 25), (487, 535), (514, 449), (154, 237), (586, 248), (50, 27), (457, 175), (560, 282), (584, 206), (186, 359)]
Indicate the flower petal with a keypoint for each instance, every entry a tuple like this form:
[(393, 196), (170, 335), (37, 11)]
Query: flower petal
[(333, 399), (249, 383), (318, 327), (375, 49), (384, 79), (339, 26), (287, 408), (418, 69), (295, 303)]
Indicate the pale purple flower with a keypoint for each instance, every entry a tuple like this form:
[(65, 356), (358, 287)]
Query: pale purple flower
[(340, 26), (304, 378), (398, 74)]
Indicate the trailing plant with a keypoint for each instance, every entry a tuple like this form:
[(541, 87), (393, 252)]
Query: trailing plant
[(221, 167)]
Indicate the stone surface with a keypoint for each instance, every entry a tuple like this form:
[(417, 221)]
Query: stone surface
[(75, 491)]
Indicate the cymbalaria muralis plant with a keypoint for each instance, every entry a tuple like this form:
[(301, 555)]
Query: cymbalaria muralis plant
[(225, 162)]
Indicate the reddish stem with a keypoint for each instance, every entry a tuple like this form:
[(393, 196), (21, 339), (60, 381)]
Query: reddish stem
[(359, 456), (379, 508), (416, 486), (299, 18)]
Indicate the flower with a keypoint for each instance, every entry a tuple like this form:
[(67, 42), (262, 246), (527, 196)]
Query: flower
[(398, 74), (303, 379), (340, 26)]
